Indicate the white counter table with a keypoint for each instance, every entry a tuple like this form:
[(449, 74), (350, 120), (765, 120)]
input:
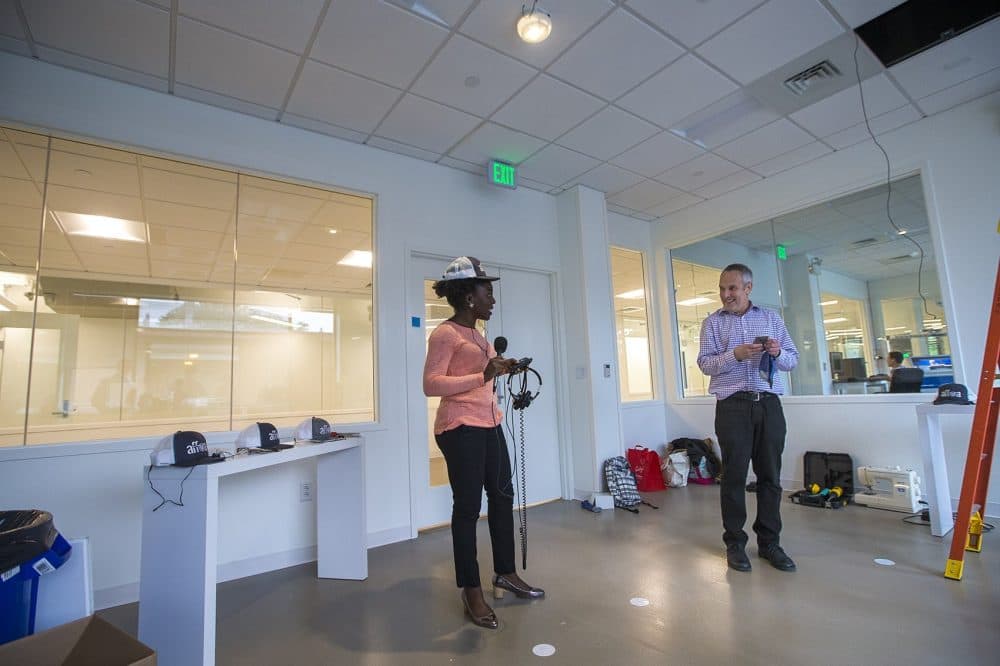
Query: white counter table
[(937, 494), (180, 544)]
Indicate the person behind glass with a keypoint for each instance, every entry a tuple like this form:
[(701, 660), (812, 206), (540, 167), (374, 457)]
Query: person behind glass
[(895, 360), (749, 420), (460, 367)]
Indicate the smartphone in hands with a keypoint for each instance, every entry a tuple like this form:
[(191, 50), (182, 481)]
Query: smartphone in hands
[(760, 340)]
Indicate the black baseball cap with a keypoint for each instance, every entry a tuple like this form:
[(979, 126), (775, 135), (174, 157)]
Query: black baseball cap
[(953, 394), (260, 436), (184, 448), (314, 428)]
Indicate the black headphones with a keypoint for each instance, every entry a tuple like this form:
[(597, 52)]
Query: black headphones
[(523, 398)]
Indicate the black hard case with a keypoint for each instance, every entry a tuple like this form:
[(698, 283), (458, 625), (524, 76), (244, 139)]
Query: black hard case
[(829, 470)]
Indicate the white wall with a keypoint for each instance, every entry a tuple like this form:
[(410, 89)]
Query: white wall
[(956, 154), (420, 206)]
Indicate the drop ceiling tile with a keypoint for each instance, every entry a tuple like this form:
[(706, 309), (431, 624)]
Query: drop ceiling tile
[(425, 124), (492, 141), (608, 178), (21, 237), (261, 201), (61, 260), (656, 155), (884, 123), (608, 133), (675, 204), (20, 193), (964, 57), (793, 158), (547, 108), (763, 144), (616, 55), (288, 29), (681, 89), (403, 148), (220, 62), (698, 172), (963, 92), (20, 217), (10, 23), (532, 184), (15, 46), (556, 165), (184, 270), (92, 173), (692, 21), (495, 77), (323, 128), (104, 247), (140, 33), (727, 184), (770, 36), (340, 98), (225, 102), (186, 189), (201, 255), (645, 195), (91, 66), (99, 263), (462, 165), (494, 23), (74, 200), (858, 12), (165, 214), (377, 40), (843, 109)]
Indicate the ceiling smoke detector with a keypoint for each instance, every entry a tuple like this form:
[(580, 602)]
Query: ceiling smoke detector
[(807, 78)]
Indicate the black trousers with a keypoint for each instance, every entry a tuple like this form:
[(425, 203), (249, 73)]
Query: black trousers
[(477, 458), (751, 431)]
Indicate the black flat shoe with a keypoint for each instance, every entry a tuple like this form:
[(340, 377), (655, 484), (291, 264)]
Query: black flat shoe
[(521, 589), (737, 559), (778, 558), (488, 621)]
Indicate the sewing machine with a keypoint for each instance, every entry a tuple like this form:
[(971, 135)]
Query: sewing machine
[(888, 488)]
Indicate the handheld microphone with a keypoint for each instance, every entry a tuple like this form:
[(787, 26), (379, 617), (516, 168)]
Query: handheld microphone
[(500, 344)]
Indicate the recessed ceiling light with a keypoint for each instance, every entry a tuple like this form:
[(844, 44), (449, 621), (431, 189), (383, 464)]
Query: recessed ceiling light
[(332, 231), (834, 320), (358, 258), (833, 302), (100, 226), (535, 24), (635, 293), (901, 232)]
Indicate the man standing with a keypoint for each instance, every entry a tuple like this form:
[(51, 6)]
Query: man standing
[(742, 348)]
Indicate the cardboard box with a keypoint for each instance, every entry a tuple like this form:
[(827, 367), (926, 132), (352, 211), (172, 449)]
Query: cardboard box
[(85, 642)]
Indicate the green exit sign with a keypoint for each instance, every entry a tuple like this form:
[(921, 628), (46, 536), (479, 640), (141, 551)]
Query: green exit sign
[(502, 174), (782, 252)]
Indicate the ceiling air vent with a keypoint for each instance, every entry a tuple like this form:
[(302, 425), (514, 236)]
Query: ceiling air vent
[(812, 76), (864, 242), (899, 259)]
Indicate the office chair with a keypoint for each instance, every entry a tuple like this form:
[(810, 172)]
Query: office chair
[(906, 380)]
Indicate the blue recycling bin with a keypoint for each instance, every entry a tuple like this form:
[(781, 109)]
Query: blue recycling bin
[(19, 582)]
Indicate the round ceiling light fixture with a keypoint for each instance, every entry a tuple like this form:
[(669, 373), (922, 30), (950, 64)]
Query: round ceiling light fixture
[(534, 25)]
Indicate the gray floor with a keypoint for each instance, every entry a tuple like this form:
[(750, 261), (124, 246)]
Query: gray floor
[(839, 608)]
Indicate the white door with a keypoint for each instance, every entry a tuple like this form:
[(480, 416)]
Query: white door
[(524, 315)]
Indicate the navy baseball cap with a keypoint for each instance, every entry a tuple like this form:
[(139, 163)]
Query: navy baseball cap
[(314, 428), (952, 394), (260, 436), (184, 448)]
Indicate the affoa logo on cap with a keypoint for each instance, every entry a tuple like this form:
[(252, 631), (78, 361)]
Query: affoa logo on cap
[(196, 447), (950, 393)]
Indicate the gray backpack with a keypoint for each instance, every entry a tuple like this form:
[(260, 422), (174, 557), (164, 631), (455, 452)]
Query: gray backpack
[(621, 485)]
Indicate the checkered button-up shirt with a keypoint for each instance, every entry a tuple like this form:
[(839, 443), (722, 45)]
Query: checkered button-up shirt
[(723, 331)]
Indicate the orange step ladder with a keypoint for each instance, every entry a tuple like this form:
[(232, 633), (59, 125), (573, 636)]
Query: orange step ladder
[(972, 503)]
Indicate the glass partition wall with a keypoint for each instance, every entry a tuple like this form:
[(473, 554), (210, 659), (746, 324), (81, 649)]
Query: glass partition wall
[(141, 295), (850, 285), (631, 325)]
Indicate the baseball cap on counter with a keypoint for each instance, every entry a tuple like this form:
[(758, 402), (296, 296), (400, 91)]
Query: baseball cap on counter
[(260, 436), (184, 448), (313, 428)]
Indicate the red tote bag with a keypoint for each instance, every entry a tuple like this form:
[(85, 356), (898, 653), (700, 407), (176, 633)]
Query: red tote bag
[(645, 464)]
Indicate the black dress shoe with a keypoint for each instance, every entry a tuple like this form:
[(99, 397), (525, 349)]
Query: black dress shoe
[(488, 621), (778, 558), (737, 559), (518, 587)]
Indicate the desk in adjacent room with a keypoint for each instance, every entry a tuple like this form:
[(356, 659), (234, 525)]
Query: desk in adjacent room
[(180, 544)]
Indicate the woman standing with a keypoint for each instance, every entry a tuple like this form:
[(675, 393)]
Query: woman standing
[(460, 367)]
